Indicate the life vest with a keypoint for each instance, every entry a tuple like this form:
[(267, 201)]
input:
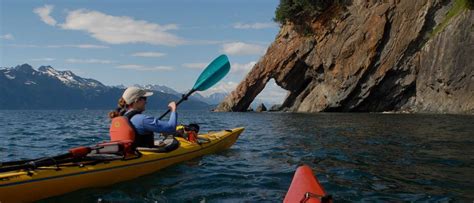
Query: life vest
[(122, 130)]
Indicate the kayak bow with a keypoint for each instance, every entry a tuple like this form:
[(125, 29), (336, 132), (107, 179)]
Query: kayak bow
[(305, 187)]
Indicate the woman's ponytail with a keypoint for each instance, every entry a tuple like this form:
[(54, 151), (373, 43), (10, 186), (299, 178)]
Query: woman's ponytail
[(120, 110)]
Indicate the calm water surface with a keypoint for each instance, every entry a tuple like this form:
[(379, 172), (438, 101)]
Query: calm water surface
[(357, 157)]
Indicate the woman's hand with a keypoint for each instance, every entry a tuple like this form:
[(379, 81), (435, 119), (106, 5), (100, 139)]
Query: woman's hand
[(172, 106)]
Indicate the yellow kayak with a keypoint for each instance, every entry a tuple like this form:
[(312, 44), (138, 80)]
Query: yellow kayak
[(44, 182)]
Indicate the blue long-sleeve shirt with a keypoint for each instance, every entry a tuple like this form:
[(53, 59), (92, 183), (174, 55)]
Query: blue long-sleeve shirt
[(148, 123)]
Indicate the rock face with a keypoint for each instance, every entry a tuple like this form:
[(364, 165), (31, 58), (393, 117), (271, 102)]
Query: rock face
[(445, 80), (261, 108), (370, 56), (275, 107)]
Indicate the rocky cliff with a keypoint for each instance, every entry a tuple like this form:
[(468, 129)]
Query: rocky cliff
[(398, 55)]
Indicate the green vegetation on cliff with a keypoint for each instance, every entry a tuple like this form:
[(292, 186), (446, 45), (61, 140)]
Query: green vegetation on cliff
[(303, 12), (298, 10), (457, 8)]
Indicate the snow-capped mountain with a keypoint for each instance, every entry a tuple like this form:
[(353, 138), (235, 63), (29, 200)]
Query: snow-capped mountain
[(47, 80), (159, 88), (29, 76), (119, 86), (69, 78), (23, 87), (153, 87)]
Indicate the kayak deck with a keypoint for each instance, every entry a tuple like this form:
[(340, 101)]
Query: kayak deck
[(51, 181)]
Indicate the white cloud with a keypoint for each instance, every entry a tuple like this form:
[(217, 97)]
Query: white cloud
[(254, 25), (205, 42), (44, 13), (195, 65), (81, 46), (240, 48), (55, 46), (44, 59), (149, 54), (89, 46), (99, 61), (120, 29), (130, 66), (23, 45), (6, 36), (222, 87), (145, 68), (241, 68)]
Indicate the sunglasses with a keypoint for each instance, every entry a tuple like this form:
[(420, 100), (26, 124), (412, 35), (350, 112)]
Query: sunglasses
[(143, 98)]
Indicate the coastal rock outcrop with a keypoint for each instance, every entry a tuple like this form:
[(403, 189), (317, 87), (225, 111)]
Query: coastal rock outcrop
[(261, 108), (371, 56)]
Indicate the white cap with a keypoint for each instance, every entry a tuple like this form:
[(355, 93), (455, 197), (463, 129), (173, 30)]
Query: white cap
[(132, 94)]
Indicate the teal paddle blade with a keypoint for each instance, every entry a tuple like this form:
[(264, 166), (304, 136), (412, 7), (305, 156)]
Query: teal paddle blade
[(213, 73)]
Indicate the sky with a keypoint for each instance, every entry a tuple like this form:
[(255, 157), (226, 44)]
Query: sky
[(142, 41)]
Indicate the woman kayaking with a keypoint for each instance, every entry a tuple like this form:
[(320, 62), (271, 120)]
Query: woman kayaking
[(131, 105)]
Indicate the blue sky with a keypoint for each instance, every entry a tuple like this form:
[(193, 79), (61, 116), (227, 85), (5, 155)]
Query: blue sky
[(138, 42)]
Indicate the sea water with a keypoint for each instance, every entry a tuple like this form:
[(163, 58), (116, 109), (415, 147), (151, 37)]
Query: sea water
[(356, 156)]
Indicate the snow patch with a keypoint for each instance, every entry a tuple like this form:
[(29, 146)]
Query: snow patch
[(92, 84), (66, 77), (30, 83), (9, 76)]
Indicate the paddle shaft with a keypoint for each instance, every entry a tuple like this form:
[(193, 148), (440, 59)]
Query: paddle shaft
[(73, 153), (185, 97), (47, 161)]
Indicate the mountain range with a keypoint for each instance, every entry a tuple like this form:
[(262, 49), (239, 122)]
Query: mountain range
[(23, 87), (212, 99)]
